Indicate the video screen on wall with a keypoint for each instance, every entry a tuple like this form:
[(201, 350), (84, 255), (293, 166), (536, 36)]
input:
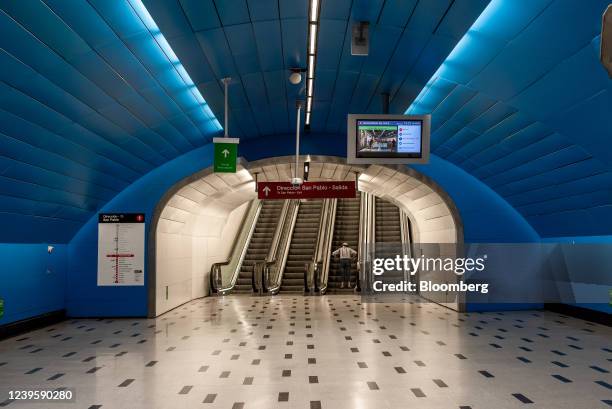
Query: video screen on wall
[(377, 138)]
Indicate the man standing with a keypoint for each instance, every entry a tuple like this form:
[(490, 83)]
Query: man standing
[(346, 254)]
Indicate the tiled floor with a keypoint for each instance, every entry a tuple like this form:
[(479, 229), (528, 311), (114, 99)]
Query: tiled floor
[(316, 352)]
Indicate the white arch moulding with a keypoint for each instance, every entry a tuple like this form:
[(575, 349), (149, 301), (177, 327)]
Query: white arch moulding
[(195, 222)]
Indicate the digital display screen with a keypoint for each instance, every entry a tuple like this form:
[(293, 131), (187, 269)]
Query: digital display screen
[(389, 138)]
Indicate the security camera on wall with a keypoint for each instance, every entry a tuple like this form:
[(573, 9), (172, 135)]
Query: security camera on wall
[(388, 139)]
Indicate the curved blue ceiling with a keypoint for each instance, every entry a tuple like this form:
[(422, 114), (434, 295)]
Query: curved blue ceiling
[(96, 93), (256, 42), (523, 104), (91, 98)]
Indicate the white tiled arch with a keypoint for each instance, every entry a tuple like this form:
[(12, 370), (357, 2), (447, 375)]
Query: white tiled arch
[(196, 223)]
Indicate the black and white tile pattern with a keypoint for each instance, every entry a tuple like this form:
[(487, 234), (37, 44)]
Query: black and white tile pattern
[(316, 352)]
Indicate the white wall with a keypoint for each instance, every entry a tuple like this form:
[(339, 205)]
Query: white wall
[(196, 229)]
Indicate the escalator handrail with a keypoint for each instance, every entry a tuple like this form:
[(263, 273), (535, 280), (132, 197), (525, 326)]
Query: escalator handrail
[(265, 281), (215, 271), (217, 266), (284, 240), (325, 257)]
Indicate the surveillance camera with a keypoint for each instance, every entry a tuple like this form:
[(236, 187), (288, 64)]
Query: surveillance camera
[(296, 182), (295, 78)]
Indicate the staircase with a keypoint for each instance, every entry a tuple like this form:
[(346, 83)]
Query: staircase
[(388, 236), (303, 245), (346, 229), (260, 243)]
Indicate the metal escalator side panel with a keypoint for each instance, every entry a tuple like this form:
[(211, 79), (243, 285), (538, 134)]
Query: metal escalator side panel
[(240, 245), (328, 233), (258, 245)]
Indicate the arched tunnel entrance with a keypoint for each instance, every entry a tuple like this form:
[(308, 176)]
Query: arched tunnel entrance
[(198, 220)]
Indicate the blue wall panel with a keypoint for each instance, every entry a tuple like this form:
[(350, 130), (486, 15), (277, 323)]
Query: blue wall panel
[(593, 262), (84, 297), (32, 281)]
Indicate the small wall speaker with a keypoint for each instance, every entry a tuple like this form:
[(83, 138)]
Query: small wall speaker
[(360, 38)]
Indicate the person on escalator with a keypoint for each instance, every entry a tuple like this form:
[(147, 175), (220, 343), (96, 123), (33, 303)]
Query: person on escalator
[(346, 255)]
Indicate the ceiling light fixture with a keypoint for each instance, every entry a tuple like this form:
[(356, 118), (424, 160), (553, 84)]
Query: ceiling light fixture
[(313, 25)]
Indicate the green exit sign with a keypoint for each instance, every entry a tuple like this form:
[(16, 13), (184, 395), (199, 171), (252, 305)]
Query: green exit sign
[(226, 154), (1, 307)]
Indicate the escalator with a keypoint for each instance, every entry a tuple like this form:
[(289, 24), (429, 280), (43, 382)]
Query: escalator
[(388, 229), (303, 245), (388, 236), (346, 229), (260, 243)]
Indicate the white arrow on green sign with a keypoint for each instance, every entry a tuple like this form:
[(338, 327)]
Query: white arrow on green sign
[(226, 154)]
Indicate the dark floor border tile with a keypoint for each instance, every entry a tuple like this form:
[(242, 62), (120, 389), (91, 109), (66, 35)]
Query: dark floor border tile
[(582, 313), (30, 324)]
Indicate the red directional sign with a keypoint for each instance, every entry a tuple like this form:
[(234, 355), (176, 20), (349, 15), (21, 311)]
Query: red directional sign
[(307, 190)]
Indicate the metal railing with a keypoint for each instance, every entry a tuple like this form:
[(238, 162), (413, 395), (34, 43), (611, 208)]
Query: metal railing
[(367, 220), (223, 275), (322, 256), (406, 235), (311, 278)]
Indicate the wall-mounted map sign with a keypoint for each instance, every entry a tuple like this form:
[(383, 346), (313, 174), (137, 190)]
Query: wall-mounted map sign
[(121, 244)]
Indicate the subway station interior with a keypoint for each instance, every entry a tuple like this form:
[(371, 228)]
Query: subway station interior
[(338, 204)]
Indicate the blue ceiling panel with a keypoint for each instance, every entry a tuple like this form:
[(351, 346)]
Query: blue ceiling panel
[(454, 101), (601, 198), (96, 93), (256, 91), (294, 33), (293, 9), (214, 45), (538, 126), (335, 10), (202, 15), (57, 146), (333, 32), (583, 66), (269, 45), (245, 37), (396, 13), (92, 97), (261, 10), (460, 17), (570, 166), (590, 124), (16, 151), (383, 42), (244, 50), (517, 164), (461, 138), (364, 89), (366, 10), (577, 184), (473, 108)]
